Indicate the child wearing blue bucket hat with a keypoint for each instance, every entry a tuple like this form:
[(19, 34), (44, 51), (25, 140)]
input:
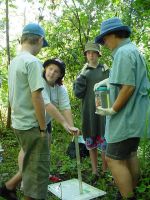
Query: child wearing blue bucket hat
[(126, 119)]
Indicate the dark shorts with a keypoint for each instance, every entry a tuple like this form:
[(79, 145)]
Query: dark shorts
[(35, 169), (49, 128), (122, 150)]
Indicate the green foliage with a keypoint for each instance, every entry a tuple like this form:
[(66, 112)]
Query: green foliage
[(64, 167), (78, 22), (143, 188)]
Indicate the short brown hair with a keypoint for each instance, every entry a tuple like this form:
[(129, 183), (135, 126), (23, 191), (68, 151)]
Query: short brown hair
[(120, 34), (30, 38)]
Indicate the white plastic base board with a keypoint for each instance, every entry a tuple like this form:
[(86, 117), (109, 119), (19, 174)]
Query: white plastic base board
[(69, 190)]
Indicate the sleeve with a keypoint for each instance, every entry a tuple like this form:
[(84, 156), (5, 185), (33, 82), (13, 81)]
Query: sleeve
[(106, 74), (123, 69), (64, 102), (46, 98), (79, 87), (35, 76)]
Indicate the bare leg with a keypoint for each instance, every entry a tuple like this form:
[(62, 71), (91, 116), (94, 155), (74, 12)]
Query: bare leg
[(133, 165), (122, 176), (94, 162), (20, 164), (20, 159), (104, 163), (15, 180)]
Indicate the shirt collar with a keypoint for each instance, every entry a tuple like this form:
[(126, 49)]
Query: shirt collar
[(89, 67), (23, 52), (124, 42)]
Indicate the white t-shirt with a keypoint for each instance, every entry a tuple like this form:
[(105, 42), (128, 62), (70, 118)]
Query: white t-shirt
[(24, 77), (56, 95)]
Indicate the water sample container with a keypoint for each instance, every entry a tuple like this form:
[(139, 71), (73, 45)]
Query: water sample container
[(102, 97)]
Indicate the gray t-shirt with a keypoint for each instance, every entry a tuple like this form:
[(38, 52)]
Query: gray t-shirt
[(24, 77), (128, 68), (56, 95)]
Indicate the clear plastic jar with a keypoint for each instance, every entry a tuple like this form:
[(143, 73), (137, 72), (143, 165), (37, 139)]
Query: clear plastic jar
[(102, 97)]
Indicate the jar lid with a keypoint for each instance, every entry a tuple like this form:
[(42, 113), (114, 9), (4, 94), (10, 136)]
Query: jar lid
[(102, 88)]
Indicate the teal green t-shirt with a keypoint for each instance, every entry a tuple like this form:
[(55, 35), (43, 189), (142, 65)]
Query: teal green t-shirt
[(128, 68), (24, 77)]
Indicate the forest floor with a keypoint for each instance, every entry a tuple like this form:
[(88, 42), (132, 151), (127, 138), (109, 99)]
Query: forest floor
[(66, 168)]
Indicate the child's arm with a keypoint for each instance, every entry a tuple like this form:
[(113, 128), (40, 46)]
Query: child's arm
[(79, 86), (68, 116), (55, 113), (124, 95), (38, 104)]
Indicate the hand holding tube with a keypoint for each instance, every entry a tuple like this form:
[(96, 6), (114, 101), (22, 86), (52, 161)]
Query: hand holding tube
[(105, 82), (105, 111)]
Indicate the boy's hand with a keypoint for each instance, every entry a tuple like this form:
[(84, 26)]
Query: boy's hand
[(105, 82), (105, 111)]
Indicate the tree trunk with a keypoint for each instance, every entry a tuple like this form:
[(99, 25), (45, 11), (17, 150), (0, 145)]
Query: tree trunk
[(8, 58)]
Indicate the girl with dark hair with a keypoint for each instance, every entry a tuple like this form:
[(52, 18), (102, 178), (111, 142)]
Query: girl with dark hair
[(56, 99)]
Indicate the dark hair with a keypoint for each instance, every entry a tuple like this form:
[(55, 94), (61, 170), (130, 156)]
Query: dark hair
[(61, 66), (93, 51), (30, 38), (120, 34)]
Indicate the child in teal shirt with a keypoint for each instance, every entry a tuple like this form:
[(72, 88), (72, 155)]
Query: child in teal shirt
[(126, 119)]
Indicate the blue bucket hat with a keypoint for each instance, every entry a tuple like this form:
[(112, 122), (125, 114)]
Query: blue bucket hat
[(111, 25), (35, 29)]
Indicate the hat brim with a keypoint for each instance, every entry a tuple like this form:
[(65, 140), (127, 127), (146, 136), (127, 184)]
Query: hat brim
[(94, 51), (45, 43), (99, 38), (61, 66)]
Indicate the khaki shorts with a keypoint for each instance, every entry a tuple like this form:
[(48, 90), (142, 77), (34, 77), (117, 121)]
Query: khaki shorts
[(122, 150), (36, 162)]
